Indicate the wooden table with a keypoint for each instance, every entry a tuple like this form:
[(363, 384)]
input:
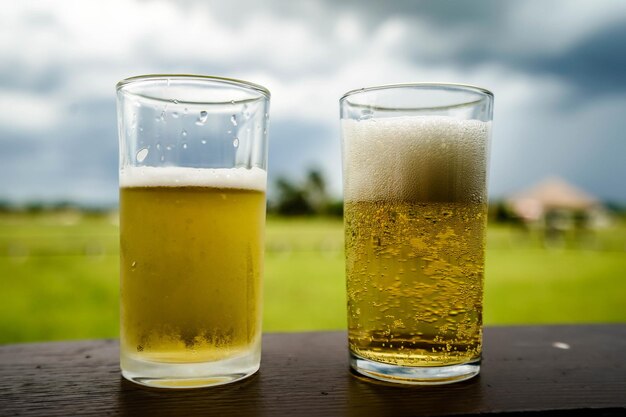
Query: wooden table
[(540, 371)]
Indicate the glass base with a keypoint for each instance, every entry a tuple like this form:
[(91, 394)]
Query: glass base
[(189, 375), (424, 375)]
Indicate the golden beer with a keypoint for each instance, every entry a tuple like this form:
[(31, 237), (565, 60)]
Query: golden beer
[(415, 216), (415, 280), (191, 268)]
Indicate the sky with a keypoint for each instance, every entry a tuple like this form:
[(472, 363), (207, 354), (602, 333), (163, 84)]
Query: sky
[(557, 69)]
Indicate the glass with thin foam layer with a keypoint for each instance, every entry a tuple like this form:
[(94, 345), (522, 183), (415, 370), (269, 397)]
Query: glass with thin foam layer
[(193, 157), (415, 210)]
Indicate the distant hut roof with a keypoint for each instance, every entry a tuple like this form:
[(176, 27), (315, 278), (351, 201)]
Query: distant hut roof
[(551, 193)]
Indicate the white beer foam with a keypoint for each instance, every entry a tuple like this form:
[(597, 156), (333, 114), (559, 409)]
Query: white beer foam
[(240, 178), (415, 158)]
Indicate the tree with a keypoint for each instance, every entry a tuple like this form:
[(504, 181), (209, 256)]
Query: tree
[(307, 198)]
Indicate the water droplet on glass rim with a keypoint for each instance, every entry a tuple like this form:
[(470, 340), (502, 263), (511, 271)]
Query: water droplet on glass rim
[(175, 101)]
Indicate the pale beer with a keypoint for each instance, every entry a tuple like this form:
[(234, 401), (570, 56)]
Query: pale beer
[(191, 264), (192, 171)]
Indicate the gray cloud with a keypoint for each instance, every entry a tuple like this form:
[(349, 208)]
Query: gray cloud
[(596, 65), (296, 147), (557, 69)]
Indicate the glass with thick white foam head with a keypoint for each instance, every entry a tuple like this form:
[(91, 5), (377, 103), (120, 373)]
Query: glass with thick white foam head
[(415, 211), (193, 157)]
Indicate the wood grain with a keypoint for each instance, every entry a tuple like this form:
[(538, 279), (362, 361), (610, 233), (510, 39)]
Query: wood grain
[(307, 374)]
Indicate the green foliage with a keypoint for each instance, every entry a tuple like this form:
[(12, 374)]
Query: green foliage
[(59, 276), (304, 199)]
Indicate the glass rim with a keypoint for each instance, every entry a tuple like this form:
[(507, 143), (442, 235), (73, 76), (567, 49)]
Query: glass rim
[(245, 85), (422, 85)]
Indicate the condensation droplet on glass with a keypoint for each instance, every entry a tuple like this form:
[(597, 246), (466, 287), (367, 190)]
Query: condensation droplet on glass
[(366, 114), (267, 115), (236, 142), (183, 133), (168, 82), (185, 110), (141, 128), (162, 158), (158, 145), (184, 146), (162, 116), (232, 102), (203, 141), (175, 115), (168, 147), (134, 264), (229, 131), (233, 120), (202, 118), (141, 154)]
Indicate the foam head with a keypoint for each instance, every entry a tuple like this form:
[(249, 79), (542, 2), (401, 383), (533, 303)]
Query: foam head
[(415, 158), (240, 178)]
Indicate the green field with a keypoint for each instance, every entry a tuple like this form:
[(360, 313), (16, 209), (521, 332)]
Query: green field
[(59, 277)]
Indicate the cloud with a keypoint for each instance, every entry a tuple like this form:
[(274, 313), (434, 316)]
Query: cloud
[(595, 65), (28, 112), (550, 78)]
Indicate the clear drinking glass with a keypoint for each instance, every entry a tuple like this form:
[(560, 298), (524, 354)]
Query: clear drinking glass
[(415, 211), (193, 157)]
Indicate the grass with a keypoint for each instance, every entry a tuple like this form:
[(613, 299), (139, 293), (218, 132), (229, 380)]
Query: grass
[(59, 277)]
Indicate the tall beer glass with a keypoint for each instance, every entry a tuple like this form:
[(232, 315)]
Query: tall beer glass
[(415, 172), (193, 154)]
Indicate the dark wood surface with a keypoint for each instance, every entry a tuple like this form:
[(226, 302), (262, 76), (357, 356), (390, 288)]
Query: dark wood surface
[(526, 370)]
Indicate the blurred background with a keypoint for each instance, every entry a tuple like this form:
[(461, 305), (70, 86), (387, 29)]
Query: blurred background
[(557, 237)]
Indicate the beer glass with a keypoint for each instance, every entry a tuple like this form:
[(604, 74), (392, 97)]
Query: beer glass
[(415, 212), (193, 152)]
